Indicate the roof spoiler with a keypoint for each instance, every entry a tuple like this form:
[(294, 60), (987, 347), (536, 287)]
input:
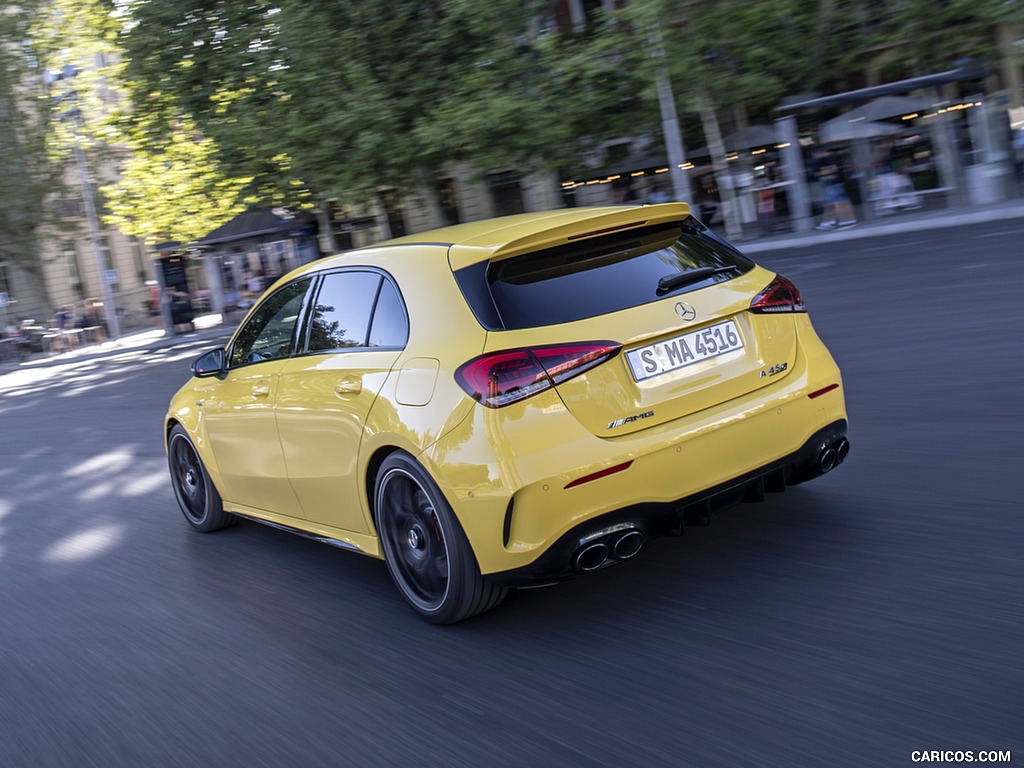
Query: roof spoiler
[(604, 222)]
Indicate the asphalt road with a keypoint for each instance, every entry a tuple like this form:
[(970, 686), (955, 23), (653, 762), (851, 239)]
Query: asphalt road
[(848, 622)]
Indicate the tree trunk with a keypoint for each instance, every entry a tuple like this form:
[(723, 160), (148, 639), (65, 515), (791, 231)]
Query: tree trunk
[(713, 134), (323, 220), (427, 190)]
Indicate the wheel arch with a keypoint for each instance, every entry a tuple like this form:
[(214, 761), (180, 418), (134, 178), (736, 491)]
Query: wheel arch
[(377, 459), (373, 465), (170, 424)]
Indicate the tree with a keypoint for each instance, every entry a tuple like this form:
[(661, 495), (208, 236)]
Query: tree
[(920, 37), (170, 185), (28, 171), (335, 100)]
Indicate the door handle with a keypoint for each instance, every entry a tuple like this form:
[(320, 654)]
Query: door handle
[(351, 385), (261, 389)]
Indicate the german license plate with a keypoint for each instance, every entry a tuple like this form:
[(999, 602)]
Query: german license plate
[(681, 351)]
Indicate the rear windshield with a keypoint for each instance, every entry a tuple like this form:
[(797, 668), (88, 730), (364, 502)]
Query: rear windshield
[(597, 276)]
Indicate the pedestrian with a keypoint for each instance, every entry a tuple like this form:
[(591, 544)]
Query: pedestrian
[(255, 284), (830, 172), (658, 195), (64, 319), (181, 311)]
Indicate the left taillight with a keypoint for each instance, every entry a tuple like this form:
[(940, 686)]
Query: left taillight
[(780, 295), (497, 379)]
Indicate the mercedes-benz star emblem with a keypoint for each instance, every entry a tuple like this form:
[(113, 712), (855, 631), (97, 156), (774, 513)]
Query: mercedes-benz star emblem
[(685, 311)]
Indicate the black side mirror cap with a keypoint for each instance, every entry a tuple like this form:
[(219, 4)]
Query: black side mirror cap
[(212, 363)]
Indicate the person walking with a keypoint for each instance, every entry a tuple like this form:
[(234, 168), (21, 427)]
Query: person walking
[(838, 211)]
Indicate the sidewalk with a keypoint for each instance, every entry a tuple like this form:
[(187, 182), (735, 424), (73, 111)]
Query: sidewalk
[(210, 328), (890, 225)]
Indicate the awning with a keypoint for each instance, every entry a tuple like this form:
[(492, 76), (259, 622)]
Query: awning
[(888, 107), (752, 137), (257, 224), (843, 128), (968, 69)]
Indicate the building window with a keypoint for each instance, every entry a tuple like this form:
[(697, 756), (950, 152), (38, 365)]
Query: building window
[(448, 200), (392, 204), (69, 208), (141, 259), (5, 285), (577, 16), (506, 192), (71, 269)]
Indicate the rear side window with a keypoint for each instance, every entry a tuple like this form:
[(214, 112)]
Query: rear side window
[(596, 276), (389, 327), (341, 314), (356, 309)]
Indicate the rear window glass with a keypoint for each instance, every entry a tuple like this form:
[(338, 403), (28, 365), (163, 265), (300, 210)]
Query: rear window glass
[(597, 276)]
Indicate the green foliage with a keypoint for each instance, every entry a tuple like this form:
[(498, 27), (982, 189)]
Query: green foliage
[(534, 102), (754, 53), (922, 37), (337, 99), (171, 186), (27, 170), (741, 53)]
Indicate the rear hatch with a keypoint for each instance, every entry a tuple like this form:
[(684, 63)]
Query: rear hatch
[(677, 299)]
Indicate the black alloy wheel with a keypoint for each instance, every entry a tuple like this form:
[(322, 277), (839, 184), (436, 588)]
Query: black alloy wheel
[(427, 553), (196, 494)]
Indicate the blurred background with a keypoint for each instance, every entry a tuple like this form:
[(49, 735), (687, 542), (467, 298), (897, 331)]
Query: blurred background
[(167, 159)]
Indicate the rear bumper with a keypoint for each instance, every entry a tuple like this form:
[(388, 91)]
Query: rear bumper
[(564, 558), (523, 478)]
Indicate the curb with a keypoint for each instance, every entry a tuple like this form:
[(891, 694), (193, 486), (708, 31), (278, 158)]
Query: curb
[(931, 220)]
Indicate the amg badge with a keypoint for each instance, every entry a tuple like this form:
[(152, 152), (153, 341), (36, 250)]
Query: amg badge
[(629, 419)]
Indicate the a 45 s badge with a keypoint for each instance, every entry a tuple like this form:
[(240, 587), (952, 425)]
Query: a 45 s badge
[(775, 369)]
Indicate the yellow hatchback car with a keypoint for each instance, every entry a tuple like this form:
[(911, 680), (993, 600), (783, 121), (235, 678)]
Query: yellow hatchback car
[(509, 402)]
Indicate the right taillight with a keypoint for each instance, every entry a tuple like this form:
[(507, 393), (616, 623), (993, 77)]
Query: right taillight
[(497, 379), (780, 296)]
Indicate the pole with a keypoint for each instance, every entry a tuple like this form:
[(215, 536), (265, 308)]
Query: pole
[(113, 327), (670, 122), (69, 72), (793, 169)]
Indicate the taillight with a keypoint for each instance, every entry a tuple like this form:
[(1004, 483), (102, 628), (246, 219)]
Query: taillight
[(780, 296), (497, 379)]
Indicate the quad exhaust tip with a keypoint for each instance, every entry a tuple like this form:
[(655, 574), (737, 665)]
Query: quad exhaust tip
[(627, 545), (591, 557), (831, 455), (608, 549)]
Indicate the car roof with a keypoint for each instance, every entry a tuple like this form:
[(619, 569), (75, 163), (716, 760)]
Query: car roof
[(507, 236)]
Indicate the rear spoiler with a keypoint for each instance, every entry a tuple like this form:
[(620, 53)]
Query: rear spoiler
[(604, 223)]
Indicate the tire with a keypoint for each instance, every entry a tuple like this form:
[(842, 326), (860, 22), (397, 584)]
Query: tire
[(198, 498), (426, 551)]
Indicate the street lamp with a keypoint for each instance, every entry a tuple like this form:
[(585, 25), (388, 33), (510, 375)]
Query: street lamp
[(74, 118)]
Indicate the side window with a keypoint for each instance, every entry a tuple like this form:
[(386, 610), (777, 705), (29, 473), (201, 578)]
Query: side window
[(389, 327), (341, 314), (270, 333)]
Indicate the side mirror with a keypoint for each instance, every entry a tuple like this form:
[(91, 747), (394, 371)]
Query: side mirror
[(212, 363)]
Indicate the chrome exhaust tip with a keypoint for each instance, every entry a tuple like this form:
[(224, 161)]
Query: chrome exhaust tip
[(826, 460), (627, 545), (842, 450), (590, 557), (832, 454)]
